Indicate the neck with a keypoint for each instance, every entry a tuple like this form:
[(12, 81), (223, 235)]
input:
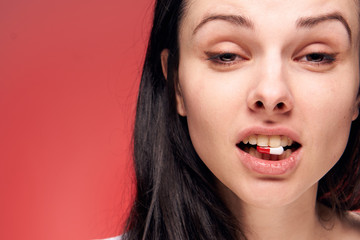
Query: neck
[(293, 221), (286, 222)]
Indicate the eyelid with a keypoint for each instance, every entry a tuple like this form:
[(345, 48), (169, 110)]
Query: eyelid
[(213, 56), (328, 57)]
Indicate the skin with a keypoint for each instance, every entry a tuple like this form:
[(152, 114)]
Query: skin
[(271, 63)]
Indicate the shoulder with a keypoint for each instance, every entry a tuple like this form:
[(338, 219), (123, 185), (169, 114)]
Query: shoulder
[(351, 226), (353, 220)]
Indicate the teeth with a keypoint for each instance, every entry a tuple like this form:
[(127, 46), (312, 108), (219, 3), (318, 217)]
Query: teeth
[(262, 140), (274, 157), (252, 140), (284, 141), (287, 153), (272, 141), (266, 156), (252, 151), (258, 155)]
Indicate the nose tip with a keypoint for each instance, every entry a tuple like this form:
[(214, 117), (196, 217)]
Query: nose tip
[(271, 89), (274, 98)]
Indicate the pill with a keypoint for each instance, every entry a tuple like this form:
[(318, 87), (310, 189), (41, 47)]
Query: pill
[(270, 150)]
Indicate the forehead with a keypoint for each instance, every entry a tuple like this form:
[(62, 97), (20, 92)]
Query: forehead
[(267, 13)]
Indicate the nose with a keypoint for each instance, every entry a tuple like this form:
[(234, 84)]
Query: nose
[(271, 94)]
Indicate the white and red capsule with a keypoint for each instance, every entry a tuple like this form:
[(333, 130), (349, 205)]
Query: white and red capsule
[(270, 150)]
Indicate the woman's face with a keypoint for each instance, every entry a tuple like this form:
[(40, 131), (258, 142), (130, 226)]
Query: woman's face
[(272, 72)]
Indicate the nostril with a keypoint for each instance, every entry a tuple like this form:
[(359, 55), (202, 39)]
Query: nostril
[(280, 106), (259, 104)]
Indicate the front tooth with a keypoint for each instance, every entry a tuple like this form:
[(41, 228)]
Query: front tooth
[(284, 141), (252, 140), (246, 140), (275, 141), (263, 140)]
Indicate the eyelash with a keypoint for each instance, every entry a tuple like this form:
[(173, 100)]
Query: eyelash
[(216, 58), (325, 58)]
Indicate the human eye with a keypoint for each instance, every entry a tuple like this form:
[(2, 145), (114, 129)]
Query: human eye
[(318, 58), (224, 58)]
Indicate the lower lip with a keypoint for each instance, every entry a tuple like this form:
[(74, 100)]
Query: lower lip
[(267, 167)]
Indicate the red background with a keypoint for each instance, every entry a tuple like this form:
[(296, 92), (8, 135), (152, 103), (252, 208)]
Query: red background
[(69, 72)]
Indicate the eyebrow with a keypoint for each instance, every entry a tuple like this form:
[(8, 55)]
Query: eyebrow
[(234, 19), (305, 22), (309, 22)]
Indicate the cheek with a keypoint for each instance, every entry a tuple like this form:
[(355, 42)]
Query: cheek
[(328, 102), (207, 131), (211, 107), (207, 120), (327, 114)]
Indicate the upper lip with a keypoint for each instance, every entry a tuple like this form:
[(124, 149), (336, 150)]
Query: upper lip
[(269, 131)]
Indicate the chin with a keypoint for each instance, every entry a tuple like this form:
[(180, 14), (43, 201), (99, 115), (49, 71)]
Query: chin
[(272, 194)]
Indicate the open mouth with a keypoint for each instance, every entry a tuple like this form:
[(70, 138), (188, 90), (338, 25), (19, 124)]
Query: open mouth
[(250, 144)]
